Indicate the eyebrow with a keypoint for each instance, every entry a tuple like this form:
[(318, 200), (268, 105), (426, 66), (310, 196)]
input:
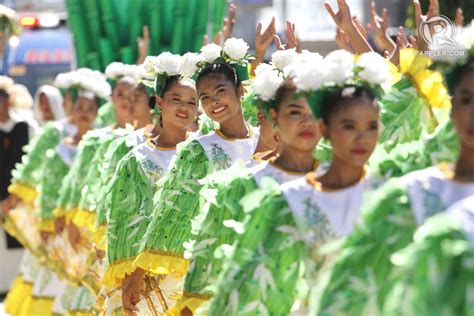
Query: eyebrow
[(294, 105), (176, 94), (348, 121)]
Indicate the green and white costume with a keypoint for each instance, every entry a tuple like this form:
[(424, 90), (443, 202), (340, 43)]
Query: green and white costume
[(213, 228), (435, 272), (282, 235), (362, 277)]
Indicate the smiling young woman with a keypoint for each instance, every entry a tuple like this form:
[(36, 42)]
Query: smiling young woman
[(299, 130), (138, 173), (162, 252)]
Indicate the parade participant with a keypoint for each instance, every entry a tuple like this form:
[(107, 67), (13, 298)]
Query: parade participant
[(14, 135), (71, 189), (83, 117), (58, 162), (220, 90), (141, 107), (48, 105), (25, 175), (147, 124), (299, 132), (434, 276), (399, 208), (141, 169), (122, 77), (286, 227)]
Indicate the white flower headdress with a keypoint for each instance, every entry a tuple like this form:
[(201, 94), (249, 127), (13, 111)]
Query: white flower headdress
[(315, 76), (234, 53), (86, 82), (116, 70), (6, 83)]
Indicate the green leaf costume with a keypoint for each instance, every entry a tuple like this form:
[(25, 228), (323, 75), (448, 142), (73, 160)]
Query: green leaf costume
[(435, 273), (213, 228), (27, 174), (178, 202), (362, 277), (131, 192)]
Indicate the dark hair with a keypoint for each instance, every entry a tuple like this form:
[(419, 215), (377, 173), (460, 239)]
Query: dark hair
[(224, 70), (285, 90), (170, 81), (340, 97), (4, 93), (454, 78), (147, 90)]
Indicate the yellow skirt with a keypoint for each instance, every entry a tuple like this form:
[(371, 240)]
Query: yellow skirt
[(39, 306), (17, 296)]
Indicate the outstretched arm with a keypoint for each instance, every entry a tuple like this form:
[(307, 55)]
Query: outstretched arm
[(344, 21), (262, 41)]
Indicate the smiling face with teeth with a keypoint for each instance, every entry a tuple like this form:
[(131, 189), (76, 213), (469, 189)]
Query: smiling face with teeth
[(178, 105), (220, 99)]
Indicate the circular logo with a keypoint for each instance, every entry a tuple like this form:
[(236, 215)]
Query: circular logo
[(438, 31)]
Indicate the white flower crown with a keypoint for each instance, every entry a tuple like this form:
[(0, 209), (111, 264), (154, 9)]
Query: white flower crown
[(6, 83), (92, 82), (117, 70), (313, 74), (284, 64), (157, 68), (234, 51)]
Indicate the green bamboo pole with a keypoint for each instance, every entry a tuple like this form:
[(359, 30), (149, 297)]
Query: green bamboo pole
[(93, 60), (106, 51), (200, 24), (127, 56), (109, 20), (219, 7), (189, 25), (135, 26), (155, 8), (78, 29), (93, 23), (178, 30), (167, 21), (121, 9)]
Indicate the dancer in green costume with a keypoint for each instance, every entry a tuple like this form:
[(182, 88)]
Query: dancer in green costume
[(55, 168), (26, 174), (217, 225), (219, 89), (434, 271), (392, 216), (287, 226)]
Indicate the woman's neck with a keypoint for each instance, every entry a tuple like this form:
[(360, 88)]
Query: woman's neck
[(5, 117), (80, 133), (464, 168), (235, 127), (121, 122), (341, 175), (295, 161), (262, 146), (141, 122), (170, 137)]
